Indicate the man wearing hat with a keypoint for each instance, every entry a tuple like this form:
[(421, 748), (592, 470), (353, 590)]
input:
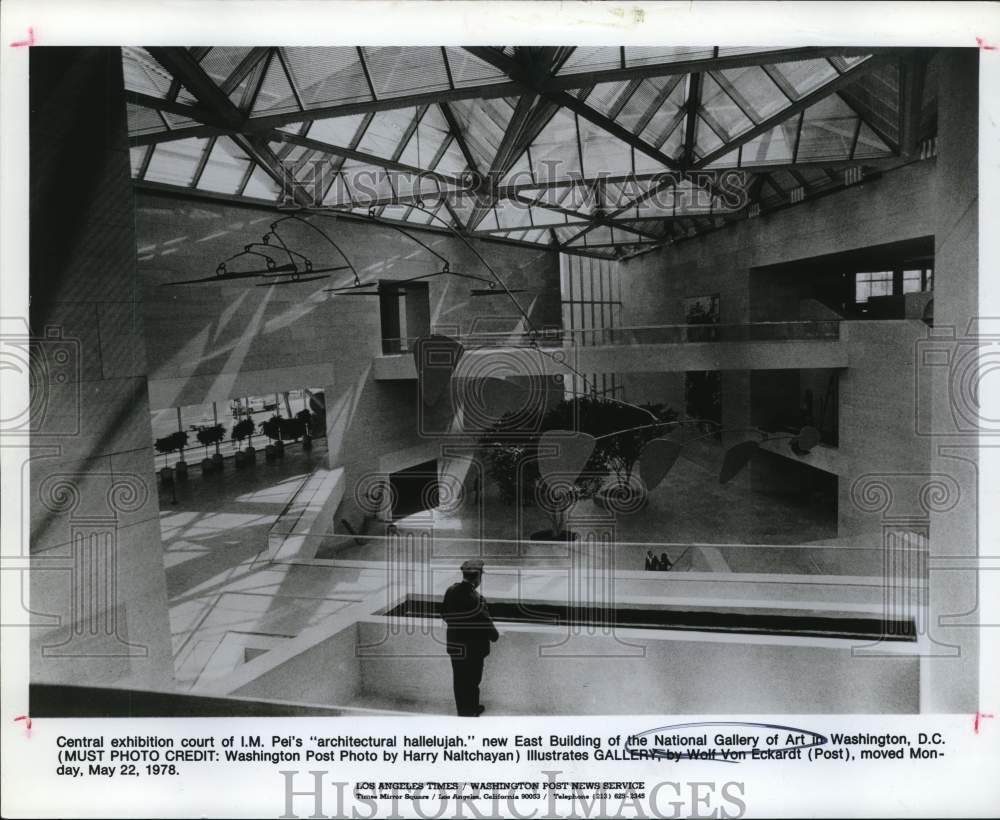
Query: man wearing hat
[(470, 632)]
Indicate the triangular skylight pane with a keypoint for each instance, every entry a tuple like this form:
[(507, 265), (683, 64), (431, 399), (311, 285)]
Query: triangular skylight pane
[(715, 103), (604, 95), (137, 155), (468, 70), (385, 132), (870, 144), (338, 194), (143, 120), (543, 216), (592, 58), (827, 131), (452, 161), (338, 131), (666, 118), (805, 75), (367, 182), (261, 186), (275, 94), (325, 76), (603, 154), (175, 163), (520, 173), (483, 123), (143, 74), (554, 153), (426, 139), (651, 55), (772, 147), (399, 70), (220, 62), (225, 169)]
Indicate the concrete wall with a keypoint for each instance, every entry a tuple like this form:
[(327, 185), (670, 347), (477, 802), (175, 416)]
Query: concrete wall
[(537, 671), (894, 433), (899, 205), (329, 672), (211, 342), (952, 683), (94, 507)]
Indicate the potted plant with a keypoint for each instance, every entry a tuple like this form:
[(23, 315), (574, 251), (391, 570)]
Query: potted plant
[(211, 435), (165, 446), (272, 429), (181, 467), (241, 430)]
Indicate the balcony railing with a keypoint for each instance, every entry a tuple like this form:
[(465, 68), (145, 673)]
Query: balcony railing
[(820, 330)]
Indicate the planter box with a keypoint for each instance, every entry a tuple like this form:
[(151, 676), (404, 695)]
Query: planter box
[(181, 470), (207, 466), (270, 452), (167, 475), (239, 459)]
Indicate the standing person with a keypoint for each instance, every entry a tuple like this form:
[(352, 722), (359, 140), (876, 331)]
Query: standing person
[(652, 563), (665, 563), (470, 633)]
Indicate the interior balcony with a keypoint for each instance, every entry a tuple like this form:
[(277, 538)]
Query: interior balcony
[(642, 349)]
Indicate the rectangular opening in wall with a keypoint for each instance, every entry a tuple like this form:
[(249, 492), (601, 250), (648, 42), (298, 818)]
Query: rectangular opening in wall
[(414, 489), (703, 395), (405, 312)]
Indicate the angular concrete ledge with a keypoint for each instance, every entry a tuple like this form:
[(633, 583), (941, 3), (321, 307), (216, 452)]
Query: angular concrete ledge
[(642, 358)]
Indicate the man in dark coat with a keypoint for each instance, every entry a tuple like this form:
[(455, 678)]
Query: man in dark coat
[(470, 633)]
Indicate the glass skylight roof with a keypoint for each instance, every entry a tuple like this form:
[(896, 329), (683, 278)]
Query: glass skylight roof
[(362, 120)]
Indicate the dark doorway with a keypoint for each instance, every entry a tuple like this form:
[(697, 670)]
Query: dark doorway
[(405, 312), (414, 489)]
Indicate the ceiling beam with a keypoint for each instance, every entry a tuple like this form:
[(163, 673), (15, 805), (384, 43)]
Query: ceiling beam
[(542, 87), (182, 65), (791, 110), (767, 57), (593, 219), (691, 106), (266, 122), (912, 71), (197, 113), (361, 156), (459, 137), (246, 65)]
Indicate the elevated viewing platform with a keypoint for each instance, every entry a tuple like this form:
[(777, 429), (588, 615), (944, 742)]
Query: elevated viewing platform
[(644, 349)]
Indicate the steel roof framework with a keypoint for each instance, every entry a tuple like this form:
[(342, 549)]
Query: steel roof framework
[(602, 151)]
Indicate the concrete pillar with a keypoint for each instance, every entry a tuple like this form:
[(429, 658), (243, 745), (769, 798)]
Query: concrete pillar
[(98, 589), (950, 676)]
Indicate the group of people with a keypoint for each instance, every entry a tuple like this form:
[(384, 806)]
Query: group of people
[(661, 564)]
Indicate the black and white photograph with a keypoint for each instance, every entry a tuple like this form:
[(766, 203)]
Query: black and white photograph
[(382, 382)]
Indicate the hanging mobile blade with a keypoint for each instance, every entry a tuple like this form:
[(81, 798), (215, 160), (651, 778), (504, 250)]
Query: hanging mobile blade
[(349, 288), (328, 270), (290, 281), (494, 291), (276, 271)]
